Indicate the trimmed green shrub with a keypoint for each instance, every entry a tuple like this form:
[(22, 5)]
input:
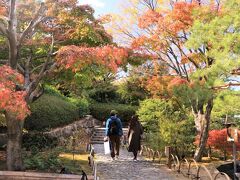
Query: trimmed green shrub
[(43, 161), (101, 111), (38, 141), (50, 111), (51, 90), (82, 105), (104, 93)]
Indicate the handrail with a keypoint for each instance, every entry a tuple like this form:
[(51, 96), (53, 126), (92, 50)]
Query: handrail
[(182, 160), (153, 154), (177, 160), (177, 164), (204, 167), (149, 153), (173, 158), (141, 152), (189, 167), (145, 150), (159, 156), (91, 161), (222, 173)]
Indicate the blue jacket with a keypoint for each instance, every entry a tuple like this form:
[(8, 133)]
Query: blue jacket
[(118, 123)]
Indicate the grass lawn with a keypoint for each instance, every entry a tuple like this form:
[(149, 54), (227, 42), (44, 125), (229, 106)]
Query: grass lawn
[(79, 163), (46, 162)]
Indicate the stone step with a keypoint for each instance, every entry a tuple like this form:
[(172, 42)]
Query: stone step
[(97, 139), (103, 134), (99, 134), (96, 142), (103, 129), (99, 130)]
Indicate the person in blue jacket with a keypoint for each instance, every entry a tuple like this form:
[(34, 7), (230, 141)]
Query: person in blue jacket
[(114, 132)]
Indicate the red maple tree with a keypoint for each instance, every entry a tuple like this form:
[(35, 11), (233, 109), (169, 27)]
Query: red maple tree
[(12, 100)]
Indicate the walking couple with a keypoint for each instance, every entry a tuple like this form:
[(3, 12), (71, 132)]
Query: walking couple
[(114, 133)]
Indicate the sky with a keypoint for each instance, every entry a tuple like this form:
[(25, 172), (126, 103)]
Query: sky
[(102, 6)]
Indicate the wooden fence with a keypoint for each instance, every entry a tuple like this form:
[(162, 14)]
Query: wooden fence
[(91, 161), (188, 167)]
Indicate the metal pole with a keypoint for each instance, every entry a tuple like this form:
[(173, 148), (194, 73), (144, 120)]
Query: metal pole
[(234, 160)]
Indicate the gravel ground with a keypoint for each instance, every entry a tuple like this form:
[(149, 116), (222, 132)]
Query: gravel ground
[(126, 169)]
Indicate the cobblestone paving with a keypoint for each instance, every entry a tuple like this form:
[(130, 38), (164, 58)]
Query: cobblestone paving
[(127, 169)]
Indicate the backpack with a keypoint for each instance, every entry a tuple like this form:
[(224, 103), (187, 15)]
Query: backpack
[(113, 129)]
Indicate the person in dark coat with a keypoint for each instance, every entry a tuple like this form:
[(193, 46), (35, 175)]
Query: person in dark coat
[(135, 130), (114, 132)]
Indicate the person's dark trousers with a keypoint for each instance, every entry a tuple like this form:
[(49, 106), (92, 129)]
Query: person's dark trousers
[(135, 154), (115, 145)]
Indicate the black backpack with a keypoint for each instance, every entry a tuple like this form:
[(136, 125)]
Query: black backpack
[(113, 129)]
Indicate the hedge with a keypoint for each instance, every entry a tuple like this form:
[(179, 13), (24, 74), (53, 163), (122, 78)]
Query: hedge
[(50, 111), (38, 141), (101, 111), (81, 103)]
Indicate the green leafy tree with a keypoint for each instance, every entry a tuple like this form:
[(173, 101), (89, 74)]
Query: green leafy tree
[(167, 124), (33, 33), (195, 42), (226, 108), (131, 91)]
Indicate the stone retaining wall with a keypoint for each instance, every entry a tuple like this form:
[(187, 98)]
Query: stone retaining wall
[(87, 123)]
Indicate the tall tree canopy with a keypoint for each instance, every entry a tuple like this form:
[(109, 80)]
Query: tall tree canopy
[(37, 37), (195, 51)]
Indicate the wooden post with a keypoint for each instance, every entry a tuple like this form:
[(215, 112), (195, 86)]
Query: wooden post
[(168, 151), (234, 160), (232, 136)]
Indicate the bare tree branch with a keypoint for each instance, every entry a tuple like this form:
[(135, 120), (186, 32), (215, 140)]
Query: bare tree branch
[(27, 71), (20, 68), (34, 22), (12, 15), (44, 71)]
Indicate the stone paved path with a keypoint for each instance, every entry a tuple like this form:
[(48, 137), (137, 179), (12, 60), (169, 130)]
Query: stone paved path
[(127, 169)]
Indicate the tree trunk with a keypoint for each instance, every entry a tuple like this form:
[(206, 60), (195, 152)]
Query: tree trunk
[(202, 122), (14, 149), (12, 35), (202, 142), (209, 152)]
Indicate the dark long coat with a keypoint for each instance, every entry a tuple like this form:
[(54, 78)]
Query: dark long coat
[(134, 137)]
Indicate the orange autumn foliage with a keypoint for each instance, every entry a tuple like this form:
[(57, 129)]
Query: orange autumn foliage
[(172, 21), (75, 58), (12, 100), (177, 81), (157, 86)]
